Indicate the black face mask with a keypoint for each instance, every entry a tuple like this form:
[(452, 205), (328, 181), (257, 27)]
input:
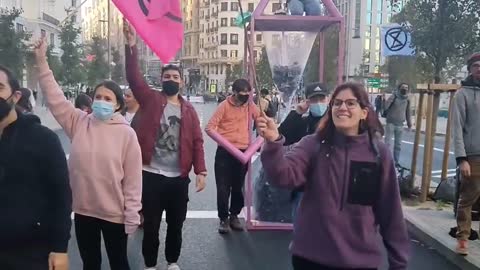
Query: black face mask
[(403, 91), (5, 107), (242, 98), (170, 88)]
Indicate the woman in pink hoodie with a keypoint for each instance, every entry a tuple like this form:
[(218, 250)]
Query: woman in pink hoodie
[(105, 167)]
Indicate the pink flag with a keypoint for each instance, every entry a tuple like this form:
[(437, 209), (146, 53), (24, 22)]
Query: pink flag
[(158, 22)]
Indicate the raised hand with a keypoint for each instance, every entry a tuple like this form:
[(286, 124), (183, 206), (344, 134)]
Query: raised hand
[(40, 49), (302, 107), (267, 128), (129, 33)]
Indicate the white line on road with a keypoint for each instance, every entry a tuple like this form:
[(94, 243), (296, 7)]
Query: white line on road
[(449, 170), (194, 215), (440, 176), (421, 145)]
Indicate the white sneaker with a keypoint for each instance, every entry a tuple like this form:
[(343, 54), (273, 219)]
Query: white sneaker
[(173, 266)]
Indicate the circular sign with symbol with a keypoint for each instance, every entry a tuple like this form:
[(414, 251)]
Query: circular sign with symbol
[(396, 39)]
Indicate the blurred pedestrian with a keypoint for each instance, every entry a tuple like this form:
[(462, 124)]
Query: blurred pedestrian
[(131, 108), (24, 104), (84, 103)]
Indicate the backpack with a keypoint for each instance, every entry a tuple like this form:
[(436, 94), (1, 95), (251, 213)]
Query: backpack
[(385, 112)]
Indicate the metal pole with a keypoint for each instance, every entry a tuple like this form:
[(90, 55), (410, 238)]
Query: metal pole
[(321, 57), (418, 130), (446, 148), (426, 155), (341, 52), (431, 138), (108, 41)]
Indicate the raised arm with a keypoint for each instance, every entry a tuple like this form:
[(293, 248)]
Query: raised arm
[(140, 88), (132, 183), (62, 109)]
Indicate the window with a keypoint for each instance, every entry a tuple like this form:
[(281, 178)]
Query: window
[(378, 33), (221, 69), (234, 6), (368, 33), (377, 57), (223, 22), (377, 44), (251, 7), (74, 3), (224, 53), (216, 69), (358, 14), (259, 37), (234, 39), (234, 53), (367, 44), (43, 33), (366, 56), (232, 22), (380, 5), (19, 27), (52, 39), (369, 5), (224, 6), (223, 39), (255, 54), (369, 18), (379, 18), (276, 7)]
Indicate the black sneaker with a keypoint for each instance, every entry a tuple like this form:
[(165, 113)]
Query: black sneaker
[(236, 224), (224, 228)]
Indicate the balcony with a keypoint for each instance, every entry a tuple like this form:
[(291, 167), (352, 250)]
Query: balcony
[(215, 14)]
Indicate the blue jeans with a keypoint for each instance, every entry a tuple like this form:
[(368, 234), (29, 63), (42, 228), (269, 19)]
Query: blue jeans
[(297, 197), (310, 7)]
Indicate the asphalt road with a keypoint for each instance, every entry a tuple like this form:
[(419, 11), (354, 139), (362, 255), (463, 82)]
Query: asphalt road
[(205, 249)]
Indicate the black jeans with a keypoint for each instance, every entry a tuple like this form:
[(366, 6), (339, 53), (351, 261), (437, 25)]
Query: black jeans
[(31, 257), (230, 179), (161, 193), (89, 231), (300, 263)]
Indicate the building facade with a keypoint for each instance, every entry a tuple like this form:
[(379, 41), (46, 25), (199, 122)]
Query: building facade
[(42, 18), (364, 19), (221, 41)]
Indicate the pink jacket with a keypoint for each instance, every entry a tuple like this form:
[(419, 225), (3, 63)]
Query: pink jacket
[(105, 163)]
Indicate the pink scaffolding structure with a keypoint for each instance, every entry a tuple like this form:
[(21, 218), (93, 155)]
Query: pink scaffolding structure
[(286, 23)]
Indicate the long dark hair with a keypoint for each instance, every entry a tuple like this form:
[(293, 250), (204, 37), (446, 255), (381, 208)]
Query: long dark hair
[(371, 125)]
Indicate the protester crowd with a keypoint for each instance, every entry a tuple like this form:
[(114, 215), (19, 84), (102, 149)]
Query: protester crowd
[(132, 152)]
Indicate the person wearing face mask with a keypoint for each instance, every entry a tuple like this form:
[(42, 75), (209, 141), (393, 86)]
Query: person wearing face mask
[(296, 125), (104, 164), (397, 111), (171, 140), (35, 197), (230, 120)]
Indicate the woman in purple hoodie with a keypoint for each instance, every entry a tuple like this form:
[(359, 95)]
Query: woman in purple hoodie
[(351, 190)]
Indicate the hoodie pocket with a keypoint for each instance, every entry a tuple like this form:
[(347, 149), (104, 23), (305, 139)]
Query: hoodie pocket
[(364, 183)]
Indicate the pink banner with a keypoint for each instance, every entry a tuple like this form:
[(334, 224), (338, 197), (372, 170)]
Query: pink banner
[(158, 22)]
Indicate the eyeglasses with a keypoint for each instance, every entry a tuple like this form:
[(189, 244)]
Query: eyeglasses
[(350, 103)]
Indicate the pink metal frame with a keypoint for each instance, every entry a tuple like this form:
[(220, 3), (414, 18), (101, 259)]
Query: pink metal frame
[(286, 23)]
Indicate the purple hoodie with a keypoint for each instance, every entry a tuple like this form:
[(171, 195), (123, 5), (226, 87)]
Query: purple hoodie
[(344, 206)]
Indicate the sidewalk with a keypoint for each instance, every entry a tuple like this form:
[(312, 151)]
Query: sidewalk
[(441, 125), (46, 117), (431, 223)]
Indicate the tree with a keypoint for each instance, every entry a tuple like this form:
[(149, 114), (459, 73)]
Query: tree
[(73, 72), (54, 63), (443, 31), (263, 71), (97, 68), (118, 69), (13, 50)]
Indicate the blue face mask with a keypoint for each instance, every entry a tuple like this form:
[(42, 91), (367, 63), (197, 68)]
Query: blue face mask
[(102, 110), (318, 109)]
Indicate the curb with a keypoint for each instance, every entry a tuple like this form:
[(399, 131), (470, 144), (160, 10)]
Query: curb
[(421, 131), (441, 248)]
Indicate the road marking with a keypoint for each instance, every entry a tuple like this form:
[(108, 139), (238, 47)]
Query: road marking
[(440, 176), (194, 214), (421, 145), (449, 170)]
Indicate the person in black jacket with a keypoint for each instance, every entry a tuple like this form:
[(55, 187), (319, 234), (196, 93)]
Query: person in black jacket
[(35, 196), (296, 125)]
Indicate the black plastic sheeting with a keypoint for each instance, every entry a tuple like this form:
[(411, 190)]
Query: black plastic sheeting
[(271, 203)]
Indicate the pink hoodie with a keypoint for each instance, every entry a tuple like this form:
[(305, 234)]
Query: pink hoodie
[(105, 161)]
